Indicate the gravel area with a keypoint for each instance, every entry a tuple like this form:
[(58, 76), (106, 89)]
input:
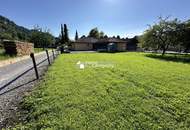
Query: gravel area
[(12, 95)]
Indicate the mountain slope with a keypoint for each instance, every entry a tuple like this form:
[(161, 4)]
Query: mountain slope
[(10, 30)]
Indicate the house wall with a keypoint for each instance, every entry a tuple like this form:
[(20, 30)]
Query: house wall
[(82, 46), (121, 46)]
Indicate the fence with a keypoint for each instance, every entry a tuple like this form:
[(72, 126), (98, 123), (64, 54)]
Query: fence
[(55, 53)]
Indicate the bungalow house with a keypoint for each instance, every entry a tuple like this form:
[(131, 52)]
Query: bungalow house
[(89, 44)]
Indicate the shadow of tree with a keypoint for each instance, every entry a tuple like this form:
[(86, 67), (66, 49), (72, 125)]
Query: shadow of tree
[(171, 57)]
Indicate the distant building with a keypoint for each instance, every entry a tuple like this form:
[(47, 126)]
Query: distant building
[(90, 44)]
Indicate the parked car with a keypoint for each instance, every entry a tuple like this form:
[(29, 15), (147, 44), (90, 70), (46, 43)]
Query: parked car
[(112, 47)]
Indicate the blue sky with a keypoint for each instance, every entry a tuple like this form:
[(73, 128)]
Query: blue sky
[(114, 17)]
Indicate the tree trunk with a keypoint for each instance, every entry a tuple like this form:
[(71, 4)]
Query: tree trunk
[(163, 52)]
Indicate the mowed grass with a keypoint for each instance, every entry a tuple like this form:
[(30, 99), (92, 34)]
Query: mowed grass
[(139, 92)]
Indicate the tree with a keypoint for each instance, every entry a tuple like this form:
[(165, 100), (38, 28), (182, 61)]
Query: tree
[(83, 36), (6, 36), (66, 34), (186, 36), (105, 36), (101, 34), (118, 37), (58, 41), (94, 33), (41, 38), (62, 36), (162, 35), (10, 31), (76, 36)]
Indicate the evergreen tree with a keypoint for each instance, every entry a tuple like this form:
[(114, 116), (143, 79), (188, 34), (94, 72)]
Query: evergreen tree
[(66, 35), (76, 36), (62, 35)]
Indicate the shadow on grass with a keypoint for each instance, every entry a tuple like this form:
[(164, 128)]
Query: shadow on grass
[(171, 57)]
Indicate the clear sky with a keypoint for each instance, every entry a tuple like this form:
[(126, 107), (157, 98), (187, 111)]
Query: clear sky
[(114, 17)]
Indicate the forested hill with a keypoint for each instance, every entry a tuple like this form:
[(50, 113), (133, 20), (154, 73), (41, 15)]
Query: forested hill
[(9, 30)]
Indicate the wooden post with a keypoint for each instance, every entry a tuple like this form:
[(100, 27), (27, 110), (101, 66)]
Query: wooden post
[(53, 54), (34, 63), (48, 57)]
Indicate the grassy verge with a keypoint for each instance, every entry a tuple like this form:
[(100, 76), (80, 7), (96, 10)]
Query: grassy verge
[(113, 91), (4, 56), (37, 50)]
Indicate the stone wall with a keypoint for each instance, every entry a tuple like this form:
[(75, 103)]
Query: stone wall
[(18, 48)]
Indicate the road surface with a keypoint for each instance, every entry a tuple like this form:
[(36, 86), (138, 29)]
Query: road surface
[(10, 72), (12, 94)]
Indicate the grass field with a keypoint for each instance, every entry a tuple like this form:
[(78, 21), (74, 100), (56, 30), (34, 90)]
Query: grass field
[(113, 91)]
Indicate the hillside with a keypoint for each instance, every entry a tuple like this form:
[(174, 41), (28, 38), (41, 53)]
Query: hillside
[(10, 30)]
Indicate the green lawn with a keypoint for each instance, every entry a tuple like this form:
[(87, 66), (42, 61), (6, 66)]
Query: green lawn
[(133, 91)]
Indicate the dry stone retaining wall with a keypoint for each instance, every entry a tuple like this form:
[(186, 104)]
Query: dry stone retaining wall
[(18, 48)]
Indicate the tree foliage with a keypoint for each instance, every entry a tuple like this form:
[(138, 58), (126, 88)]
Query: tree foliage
[(76, 36), (118, 37), (186, 37), (41, 38), (10, 31), (64, 35), (162, 35), (94, 33), (101, 34)]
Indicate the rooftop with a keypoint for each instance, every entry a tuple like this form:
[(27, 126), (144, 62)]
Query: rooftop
[(101, 40)]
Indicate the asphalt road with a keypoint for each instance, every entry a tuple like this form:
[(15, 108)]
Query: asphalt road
[(10, 72), (11, 95)]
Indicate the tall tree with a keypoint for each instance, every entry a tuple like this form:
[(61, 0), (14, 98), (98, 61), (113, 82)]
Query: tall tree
[(62, 35), (76, 36), (66, 34)]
